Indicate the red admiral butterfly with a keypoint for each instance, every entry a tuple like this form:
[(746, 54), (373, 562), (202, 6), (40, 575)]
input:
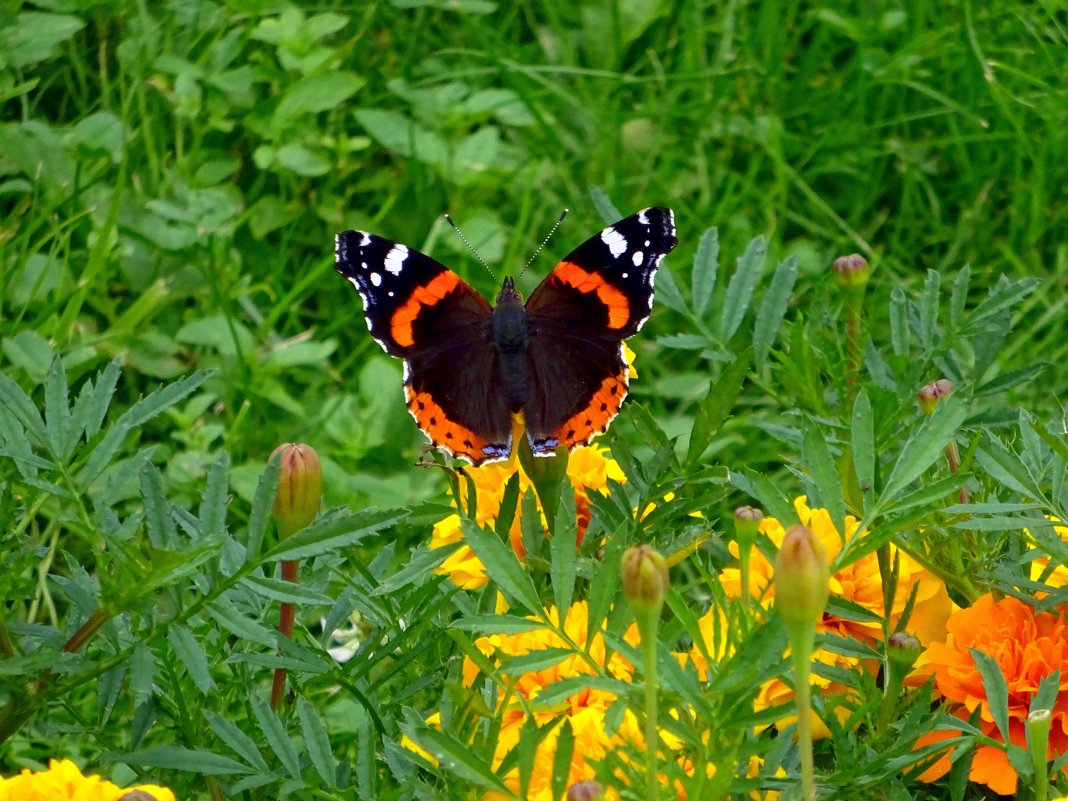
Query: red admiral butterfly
[(558, 359)]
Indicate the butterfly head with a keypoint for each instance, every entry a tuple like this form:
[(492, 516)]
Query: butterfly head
[(508, 293), (509, 320)]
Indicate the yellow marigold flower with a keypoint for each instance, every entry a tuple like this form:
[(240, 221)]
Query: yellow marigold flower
[(1027, 647), (859, 583), (1058, 577), (589, 469), (63, 781)]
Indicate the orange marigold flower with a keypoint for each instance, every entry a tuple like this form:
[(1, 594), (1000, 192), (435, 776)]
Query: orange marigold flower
[(589, 469), (1027, 647), (63, 781)]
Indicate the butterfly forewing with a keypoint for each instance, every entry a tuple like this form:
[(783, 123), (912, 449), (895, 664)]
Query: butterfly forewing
[(419, 310)]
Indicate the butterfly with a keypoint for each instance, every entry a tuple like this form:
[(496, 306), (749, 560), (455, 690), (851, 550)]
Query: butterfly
[(557, 359)]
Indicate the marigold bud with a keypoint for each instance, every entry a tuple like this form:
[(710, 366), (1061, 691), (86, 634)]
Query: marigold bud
[(644, 577), (300, 488), (588, 790), (747, 521), (137, 795), (903, 649), (930, 394), (852, 271), (801, 577)]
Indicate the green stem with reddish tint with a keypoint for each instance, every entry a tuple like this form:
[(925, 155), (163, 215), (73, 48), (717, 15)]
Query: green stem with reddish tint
[(286, 614)]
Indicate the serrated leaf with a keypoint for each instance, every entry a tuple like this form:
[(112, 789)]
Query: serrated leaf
[(331, 532), (535, 660), (136, 416), (605, 208), (173, 757), (57, 411), (24, 409), (927, 443), (226, 615), (262, 503), (899, 322), (317, 742), (497, 624), (1006, 468), (1000, 299), (502, 566), (285, 591), (277, 737), (818, 459), (716, 406), (863, 441), (565, 750), (767, 494), (418, 571), (216, 497), (158, 522), (94, 399), (929, 309), (142, 673), (741, 286), (240, 742), (458, 759), (562, 547), (997, 691), (1011, 378), (667, 290), (773, 309), (189, 651), (705, 270)]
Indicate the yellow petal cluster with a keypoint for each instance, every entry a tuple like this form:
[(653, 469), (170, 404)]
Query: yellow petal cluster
[(63, 781)]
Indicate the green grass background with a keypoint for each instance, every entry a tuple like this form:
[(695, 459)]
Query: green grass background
[(172, 174)]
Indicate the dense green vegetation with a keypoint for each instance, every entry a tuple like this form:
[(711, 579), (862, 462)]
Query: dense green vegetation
[(171, 177)]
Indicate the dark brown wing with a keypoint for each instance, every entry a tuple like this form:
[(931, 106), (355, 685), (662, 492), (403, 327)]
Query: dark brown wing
[(419, 310), (599, 295)]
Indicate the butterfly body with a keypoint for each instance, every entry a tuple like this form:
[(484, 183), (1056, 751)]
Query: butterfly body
[(558, 358)]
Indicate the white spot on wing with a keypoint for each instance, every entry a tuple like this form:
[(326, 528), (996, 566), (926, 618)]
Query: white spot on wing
[(638, 258), (625, 275), (376, 279), (365, 239), (395, 259), (642, 218), (617, 243)]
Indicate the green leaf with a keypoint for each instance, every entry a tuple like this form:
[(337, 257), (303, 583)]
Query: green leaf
[(818, 459), (716, 407), (136, 416), (605, 208), (929, 309), (227, 616), (317, 742), (158, 521), (863, 441), (773, 309), (142, 672), (277, 738), (458, 759), (502, 566), (667, 290), (239, 742), (565, 750), (927, 443), (767, 494), (314, 93), (605, 581), (262, 503), (997, 691), (188, 649), (183, 760), (1002, 298), (740, 289), (1006, 468), (1012, 378), (535, 660), (562, 547), (30, 351), (57, 412), (35, 36), (285, 591), (418, 571), (705, 269), (497, 624), (899, 322), (213, 504), (1048, 690), (18, 403), (331, 532), (93, 400)]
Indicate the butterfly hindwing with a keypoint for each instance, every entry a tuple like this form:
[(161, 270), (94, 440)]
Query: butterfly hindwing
[(419, 310), (597, 296)]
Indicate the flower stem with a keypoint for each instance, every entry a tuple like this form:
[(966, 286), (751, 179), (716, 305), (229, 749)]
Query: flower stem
[(647, 625), (802, 640), (290, 572), (1038, 726)]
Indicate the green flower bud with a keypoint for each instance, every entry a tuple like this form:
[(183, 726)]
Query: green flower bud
[(930, 394), (747, 522), (588, 790), (851, 272), (903, 649), (645, 578), (801, 577), (300, 488)]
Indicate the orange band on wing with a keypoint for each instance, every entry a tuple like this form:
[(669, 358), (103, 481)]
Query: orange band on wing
[(400, 324), (445, 434), (592, 420), (616, 302)]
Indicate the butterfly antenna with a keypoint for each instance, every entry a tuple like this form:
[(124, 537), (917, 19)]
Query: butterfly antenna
[(456, 228), (544, 242)]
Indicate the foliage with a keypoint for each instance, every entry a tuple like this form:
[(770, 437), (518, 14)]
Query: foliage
[(170, 180)]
